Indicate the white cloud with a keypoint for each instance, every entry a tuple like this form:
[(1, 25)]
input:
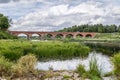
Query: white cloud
[(46, 15)]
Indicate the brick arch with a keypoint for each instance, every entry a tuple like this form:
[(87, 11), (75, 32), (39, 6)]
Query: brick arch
[(88, 35), (79, 35), (59, 35), (27, 35), (48, 36), (35, 36), (69, 36), (22, 34)]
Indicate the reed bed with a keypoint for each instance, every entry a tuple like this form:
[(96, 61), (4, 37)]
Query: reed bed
[(13, 50)]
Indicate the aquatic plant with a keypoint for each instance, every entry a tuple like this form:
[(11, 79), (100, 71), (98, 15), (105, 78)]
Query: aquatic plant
[(116, 62), (80, 70), (13, 50), (108, 48), (94, 70)]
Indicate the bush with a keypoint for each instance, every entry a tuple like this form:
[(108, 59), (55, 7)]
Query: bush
[(26, 64), (18, 70), (116, 62), (5, 67), (6, 35)]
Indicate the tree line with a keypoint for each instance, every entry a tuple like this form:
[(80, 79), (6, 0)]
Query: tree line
[(93, 28)]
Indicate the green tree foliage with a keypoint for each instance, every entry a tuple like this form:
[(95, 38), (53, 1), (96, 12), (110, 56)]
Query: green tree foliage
[(6, 35), (92, 28), (4, 22), (4, 25)]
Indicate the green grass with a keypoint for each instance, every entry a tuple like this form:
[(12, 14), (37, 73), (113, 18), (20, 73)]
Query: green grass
[(81, 70), (108, 35), (107, 48), (94, 73), (116, 62), (94, 68), (13, 50)]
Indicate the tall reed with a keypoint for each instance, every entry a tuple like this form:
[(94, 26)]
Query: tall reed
[(95, 70), (116, 62), (13, 50)]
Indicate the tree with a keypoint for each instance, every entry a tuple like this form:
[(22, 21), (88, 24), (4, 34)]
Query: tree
[(93, 28), (4, 22)]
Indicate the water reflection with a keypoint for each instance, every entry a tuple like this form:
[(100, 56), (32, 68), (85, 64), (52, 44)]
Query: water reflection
[(103, 62)]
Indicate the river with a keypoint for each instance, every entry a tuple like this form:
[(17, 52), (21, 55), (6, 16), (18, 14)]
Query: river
[(103, 62)]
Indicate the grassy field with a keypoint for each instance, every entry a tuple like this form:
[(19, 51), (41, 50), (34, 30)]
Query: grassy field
[(108, 36)]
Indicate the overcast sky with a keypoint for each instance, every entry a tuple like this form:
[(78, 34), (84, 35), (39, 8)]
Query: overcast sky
[(50, 15)]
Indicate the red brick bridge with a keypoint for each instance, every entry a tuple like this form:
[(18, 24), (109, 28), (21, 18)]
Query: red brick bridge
[(54, 35)]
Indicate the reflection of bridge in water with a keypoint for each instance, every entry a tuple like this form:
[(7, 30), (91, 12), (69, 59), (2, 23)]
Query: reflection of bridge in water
[(54, 35)]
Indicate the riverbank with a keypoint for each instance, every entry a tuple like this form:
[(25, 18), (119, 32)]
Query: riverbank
[(55, 75)]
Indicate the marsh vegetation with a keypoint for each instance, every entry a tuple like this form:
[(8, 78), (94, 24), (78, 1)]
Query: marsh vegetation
[(16, 56), (13, 50)]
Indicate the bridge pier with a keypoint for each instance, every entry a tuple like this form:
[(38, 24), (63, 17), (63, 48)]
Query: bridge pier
[(29, 37)]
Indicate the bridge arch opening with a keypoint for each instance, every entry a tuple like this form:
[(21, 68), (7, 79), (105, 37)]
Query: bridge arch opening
[(79, 36), (59, 36), (22, 36), (69, 36), (88, 36), (35, 36), (48, 36)]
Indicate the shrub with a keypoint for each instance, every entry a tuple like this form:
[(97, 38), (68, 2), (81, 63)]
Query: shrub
[(18, 70), (5, 66), (6, 35), (116, 62), (26, 64)]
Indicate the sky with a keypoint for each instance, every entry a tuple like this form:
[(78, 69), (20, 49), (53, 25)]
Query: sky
[(51, 15)]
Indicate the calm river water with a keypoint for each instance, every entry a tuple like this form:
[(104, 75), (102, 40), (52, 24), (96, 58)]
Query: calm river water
[(103, 62)]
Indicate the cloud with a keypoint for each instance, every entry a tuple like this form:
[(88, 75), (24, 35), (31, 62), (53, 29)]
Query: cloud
[(50, 15)]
